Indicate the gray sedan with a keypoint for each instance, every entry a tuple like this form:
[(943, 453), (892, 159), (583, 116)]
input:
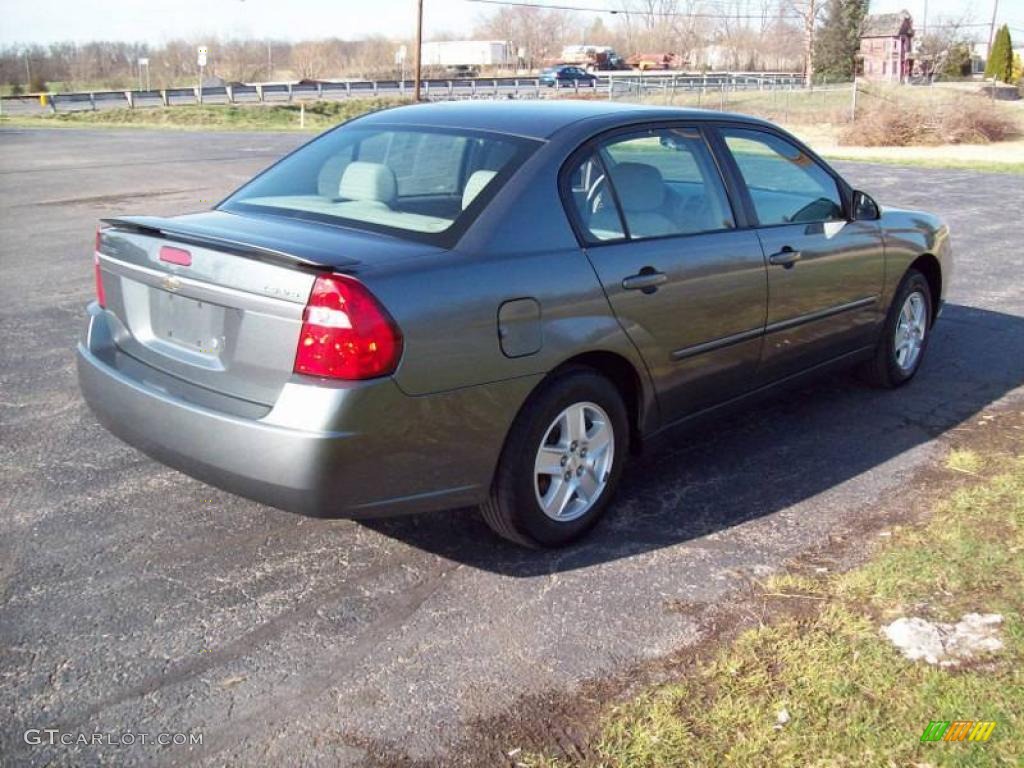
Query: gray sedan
[(495, 304)]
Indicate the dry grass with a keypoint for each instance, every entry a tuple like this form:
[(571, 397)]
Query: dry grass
[(960, 119)]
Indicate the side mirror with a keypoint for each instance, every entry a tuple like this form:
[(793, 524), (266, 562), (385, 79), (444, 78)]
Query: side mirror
[(864, 208)]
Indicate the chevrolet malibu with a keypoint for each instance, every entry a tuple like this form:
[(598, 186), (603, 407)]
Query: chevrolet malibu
[(495, 304)]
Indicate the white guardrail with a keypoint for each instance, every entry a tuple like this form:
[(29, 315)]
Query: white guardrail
[(611, 84)]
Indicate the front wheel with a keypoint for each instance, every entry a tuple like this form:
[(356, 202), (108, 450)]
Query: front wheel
[(905, 335), (561, 461)]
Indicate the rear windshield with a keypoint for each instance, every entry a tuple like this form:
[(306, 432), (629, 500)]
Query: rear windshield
[(420, 183)]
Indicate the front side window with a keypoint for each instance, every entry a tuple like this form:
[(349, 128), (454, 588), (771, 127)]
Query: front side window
[(413, 182), (652, 183), (785, 184)]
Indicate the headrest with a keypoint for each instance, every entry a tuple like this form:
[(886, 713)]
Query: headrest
[(640, 186), (368, 181), (474, 186)]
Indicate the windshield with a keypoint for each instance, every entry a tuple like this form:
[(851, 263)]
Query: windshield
[(420, 183)]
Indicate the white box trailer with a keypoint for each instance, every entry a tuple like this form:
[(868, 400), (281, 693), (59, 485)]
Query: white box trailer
[(475, 54)]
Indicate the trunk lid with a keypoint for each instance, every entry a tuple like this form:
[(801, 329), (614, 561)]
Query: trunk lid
[(216, 299)]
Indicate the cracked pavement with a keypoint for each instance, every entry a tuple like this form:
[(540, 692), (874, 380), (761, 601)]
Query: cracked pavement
[(135, 599)]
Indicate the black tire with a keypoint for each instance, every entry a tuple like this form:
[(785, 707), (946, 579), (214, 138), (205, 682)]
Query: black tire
[(883, 370), (512, 510)]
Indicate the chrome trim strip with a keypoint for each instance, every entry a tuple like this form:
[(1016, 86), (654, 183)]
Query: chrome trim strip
[(202, 290)]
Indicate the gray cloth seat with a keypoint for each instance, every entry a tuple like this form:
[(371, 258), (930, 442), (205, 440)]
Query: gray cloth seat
[(645, 201), (364, 184), (475, 185)]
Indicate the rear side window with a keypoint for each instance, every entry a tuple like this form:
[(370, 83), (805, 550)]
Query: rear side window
[(786, 186), (420, 183), (652, 183)]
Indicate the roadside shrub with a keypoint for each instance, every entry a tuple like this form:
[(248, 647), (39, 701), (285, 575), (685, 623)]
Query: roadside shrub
[(962, 120)]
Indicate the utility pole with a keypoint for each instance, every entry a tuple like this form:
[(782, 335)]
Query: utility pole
[(419, 51), (992, 29)]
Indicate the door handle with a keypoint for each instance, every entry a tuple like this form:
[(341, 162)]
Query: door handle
[(787, 257), (647, 280)]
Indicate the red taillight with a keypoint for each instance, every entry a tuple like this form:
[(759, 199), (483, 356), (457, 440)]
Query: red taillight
[(101, 295), (346, 333)]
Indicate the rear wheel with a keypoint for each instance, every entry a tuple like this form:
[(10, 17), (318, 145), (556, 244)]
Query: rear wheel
[(905, 336), (561, 462)]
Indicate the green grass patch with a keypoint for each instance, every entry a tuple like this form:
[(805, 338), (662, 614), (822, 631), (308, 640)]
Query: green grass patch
[(984, 166), (852, 699), (319, 115)]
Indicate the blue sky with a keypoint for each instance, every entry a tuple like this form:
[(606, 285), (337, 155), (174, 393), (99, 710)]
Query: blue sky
[(158, 20)]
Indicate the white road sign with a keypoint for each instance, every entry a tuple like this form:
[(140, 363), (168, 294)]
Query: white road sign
[(201, 57)]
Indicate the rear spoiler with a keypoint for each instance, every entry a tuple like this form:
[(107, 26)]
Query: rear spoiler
[(155, 226)]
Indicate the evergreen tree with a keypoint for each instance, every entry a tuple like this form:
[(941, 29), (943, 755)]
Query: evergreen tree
[(1000, 58), (838, 39)]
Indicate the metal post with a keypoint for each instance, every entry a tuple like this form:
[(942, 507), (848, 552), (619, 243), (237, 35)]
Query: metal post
[(419, 50), (853, 102)]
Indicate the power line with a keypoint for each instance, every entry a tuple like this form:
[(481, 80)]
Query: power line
[(669, 14), (624, 12)]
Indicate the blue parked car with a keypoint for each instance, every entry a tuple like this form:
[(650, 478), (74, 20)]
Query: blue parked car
[(566, 74)]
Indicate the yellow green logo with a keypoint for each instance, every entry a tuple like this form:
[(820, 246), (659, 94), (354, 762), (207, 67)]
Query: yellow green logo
[(958, 730)]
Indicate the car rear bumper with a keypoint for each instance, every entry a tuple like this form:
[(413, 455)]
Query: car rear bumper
[(362, 449)]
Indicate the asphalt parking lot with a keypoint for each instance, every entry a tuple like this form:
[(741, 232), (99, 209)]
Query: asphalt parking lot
[(134, 599)]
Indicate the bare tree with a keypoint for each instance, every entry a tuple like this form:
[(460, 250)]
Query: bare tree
[(808, 12), (314, 59), (541, 33)]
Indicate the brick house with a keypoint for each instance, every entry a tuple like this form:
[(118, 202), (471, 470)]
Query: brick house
[(885, 54)]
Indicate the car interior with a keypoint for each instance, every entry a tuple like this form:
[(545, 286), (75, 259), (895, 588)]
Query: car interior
[(413, 180), (661, 187)]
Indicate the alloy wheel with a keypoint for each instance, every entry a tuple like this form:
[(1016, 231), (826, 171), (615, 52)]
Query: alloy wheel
[(911, 327), (574, 461)]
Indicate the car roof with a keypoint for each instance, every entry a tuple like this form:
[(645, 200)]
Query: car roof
[(538, 119)]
